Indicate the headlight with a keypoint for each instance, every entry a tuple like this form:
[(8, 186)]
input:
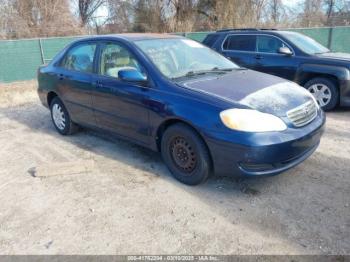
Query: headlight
[(251, 121)]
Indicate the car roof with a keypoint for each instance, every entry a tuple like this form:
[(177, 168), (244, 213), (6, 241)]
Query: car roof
[(133, 36), (247, 30)]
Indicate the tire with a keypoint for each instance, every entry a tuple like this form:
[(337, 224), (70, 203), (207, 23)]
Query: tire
[(185, 155), (60, 118), (325, 91)]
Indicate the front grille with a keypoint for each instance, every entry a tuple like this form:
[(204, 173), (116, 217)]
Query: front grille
[(304, 114)]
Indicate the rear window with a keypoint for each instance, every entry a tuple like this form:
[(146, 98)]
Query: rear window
[(80, 58), (240, 43), (210, 39)]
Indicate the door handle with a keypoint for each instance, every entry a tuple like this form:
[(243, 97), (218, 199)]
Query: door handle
[(98, 84), (63, 76), (258, 57)]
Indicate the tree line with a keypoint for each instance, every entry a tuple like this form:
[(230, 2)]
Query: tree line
[(45, 18)]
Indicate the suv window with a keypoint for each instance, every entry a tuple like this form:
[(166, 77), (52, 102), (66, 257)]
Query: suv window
[(114, 58), (269, 44), (80, 58), (240, 43), (210, 39)]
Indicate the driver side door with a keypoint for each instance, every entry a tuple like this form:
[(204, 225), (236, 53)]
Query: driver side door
[(119, 106), (270, 61)]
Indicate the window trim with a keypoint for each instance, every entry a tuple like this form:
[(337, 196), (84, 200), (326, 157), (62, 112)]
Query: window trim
[(59, 63), (256, 47)]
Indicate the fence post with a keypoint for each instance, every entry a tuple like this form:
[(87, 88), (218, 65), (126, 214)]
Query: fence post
[(330, 37), (41, 52)]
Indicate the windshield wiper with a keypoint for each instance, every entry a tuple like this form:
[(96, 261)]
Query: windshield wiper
[(216, 69), (208, 71), (213, 70), (193, 73)]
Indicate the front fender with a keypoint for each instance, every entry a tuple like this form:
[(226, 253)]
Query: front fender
[(341, 73), (201, 115)]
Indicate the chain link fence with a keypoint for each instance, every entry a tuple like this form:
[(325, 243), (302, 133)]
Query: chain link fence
[(20, 59)]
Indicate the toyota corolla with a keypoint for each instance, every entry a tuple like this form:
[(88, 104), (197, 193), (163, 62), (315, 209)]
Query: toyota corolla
[(205, 114)]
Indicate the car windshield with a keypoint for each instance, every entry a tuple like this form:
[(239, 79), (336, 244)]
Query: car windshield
[(181, 57), (305, 43)]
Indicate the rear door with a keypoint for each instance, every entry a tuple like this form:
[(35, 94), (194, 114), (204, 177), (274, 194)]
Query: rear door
[(74, 76), (240, 49), (120, 107), (269, 60)]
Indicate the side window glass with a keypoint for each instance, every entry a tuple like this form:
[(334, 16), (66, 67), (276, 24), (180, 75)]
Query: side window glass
[(210, 40), (240, 43), (80, 58), (114, 58), (269, 44)]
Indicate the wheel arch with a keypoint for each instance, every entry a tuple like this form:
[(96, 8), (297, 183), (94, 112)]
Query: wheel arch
[(307, 76), (50, 96), (307, 72), (169, 122)]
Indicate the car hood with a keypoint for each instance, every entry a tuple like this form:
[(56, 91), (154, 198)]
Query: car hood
[(336, 56), (259, 91)]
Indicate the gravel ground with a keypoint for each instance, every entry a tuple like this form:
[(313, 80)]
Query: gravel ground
[(87, 194)]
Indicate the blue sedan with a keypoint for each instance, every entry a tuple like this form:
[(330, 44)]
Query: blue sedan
[(205, 114)]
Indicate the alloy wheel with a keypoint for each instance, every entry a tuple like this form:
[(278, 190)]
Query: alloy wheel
[(322, 93), (58, 117)]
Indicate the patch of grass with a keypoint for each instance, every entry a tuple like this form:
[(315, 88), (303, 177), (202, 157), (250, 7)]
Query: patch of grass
[(18, 93)]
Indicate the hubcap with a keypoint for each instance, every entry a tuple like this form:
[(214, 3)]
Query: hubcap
[(322, 94), (183, 154), (58, 117)]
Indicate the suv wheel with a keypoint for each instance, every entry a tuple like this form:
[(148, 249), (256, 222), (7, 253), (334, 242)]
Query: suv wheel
[(325, 92), (61, 119), (185, 154)]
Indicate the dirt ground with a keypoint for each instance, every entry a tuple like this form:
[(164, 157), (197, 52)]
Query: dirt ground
[(87, 194)]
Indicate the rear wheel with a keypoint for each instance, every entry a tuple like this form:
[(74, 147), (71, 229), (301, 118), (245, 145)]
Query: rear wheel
[(185, 154), (325, 92), (60, 118)]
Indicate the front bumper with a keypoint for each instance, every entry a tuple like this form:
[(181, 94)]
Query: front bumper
[(275, 168), (264, 154)]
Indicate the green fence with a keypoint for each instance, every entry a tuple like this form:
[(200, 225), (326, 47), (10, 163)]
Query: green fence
[(19, 59), (335, 38)]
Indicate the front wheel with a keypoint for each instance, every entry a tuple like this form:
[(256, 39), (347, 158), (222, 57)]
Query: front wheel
[(325, 92), (60, 118), (185, 154)]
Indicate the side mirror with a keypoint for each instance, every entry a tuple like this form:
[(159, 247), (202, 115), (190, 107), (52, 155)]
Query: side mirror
[(132, 75), (285, 51)]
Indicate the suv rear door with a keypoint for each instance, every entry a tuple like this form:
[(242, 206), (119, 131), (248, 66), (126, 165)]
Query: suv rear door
[(240, 49)]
